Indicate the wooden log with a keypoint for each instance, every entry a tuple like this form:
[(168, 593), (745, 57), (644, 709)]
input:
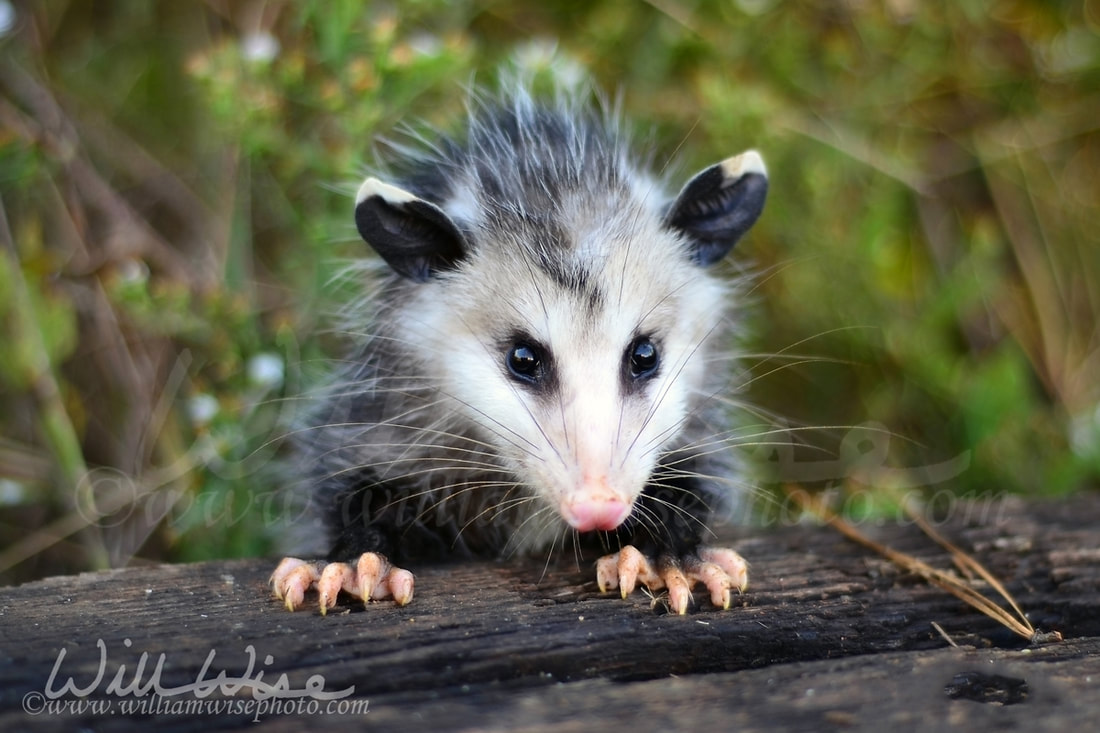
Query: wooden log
[(827, 635)]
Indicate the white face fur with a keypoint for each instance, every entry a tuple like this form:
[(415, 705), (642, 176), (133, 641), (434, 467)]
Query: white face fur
[(565, 309), (619, 353)]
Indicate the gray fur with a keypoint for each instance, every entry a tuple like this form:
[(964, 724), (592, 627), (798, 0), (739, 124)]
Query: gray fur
[(535, 226)]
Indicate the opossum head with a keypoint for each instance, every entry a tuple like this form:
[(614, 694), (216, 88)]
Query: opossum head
[(570, 319)]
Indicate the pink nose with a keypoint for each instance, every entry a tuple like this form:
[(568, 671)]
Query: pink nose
[(602, 512)]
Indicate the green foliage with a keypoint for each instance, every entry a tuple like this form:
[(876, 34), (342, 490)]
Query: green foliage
[(176, 181)]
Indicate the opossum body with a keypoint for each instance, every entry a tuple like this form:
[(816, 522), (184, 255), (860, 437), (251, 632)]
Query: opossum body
[(543, 362)]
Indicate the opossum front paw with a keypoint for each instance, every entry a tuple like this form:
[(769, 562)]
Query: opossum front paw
[(371, 578), (717, 568)]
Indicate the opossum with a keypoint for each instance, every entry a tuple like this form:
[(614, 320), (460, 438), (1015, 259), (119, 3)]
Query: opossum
[(545, 361)]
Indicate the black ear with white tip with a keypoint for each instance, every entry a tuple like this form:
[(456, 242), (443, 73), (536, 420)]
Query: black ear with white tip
[(719, 205), (415, 237)]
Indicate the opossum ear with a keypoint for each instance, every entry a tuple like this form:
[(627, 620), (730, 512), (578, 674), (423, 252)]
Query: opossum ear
[(415, 237), (718, 206)]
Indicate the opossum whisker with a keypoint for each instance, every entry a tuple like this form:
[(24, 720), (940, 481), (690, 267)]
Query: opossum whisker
[(648, 520), (715, 396), (536, 224), (456, 495), (543, 511), (534, 419), (667, 387), (546, 326), (533, 448), (419, 472), (496, 509), (471, 462), (460, 491), (394, 420), (549, 557), (733, 436), (479, 450), (661, 482), (473, 453)]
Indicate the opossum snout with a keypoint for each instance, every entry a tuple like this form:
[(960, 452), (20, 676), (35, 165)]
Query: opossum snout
[(595, 506)]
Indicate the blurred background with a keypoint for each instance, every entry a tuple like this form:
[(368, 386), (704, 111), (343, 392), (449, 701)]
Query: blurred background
[(175, 197)]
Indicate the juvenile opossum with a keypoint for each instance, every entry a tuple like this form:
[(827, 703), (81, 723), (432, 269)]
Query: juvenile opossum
[(544, 361)]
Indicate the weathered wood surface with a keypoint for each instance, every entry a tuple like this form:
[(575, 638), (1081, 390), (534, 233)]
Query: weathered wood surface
[(828, 637)]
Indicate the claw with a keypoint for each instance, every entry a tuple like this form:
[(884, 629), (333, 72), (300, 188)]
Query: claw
[(336, 576), (400, 584), (631, 564), (716, 580), (370, 569), (624, 569), (731, 563), (291, 579), (679, 589), (718, 569), (372, 577), (607, 573), (378, 578)]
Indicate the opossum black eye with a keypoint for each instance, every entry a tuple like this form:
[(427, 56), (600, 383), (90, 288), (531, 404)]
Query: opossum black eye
[(643, 358), (525, 362)]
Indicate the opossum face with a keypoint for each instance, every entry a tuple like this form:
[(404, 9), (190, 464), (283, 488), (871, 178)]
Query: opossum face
[(575, 338), (588, 373)]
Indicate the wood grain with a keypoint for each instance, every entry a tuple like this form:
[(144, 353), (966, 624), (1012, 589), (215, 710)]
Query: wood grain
[(827, 636)]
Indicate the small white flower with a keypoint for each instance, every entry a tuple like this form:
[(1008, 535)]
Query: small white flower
[(426, 44), (260, 46), (1084, 432), (7, 18), (265, 370), (203, 408), (132, 270), (12, 492)]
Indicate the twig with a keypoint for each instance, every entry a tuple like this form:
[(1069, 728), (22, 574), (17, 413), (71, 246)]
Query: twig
[(948, 582)]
